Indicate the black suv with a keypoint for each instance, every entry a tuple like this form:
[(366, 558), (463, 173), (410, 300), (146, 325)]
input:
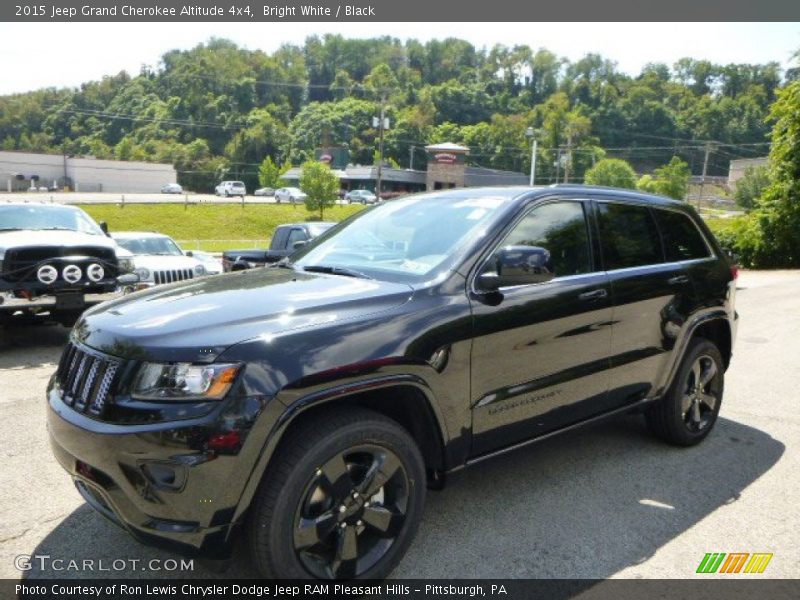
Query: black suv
[(311, 404)]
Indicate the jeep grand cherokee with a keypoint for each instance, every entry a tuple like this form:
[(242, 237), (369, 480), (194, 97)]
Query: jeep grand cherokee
[(308, 406)]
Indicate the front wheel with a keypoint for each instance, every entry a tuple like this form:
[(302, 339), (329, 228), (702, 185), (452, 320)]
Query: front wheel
[(341, 500), (688, 411)]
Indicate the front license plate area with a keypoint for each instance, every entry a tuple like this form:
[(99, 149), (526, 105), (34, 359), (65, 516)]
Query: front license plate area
[(70, 301)]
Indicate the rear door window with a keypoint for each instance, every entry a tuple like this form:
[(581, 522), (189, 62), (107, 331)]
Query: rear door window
[(628, 236), (682, 239)]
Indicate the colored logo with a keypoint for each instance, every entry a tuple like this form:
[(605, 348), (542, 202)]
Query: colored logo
[(734, 562)]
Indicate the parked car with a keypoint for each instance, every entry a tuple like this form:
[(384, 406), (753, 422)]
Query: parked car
[(157, 259), (361, 196), (172, 188), (212, 264), (286, 240), (231, 188), (309, 404), (56, 261), (264, 191), (290, 194)]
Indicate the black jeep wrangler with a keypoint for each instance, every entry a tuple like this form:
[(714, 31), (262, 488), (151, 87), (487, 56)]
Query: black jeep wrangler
[(309, 405)]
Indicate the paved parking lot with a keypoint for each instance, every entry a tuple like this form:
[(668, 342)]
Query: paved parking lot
[(608, 501)]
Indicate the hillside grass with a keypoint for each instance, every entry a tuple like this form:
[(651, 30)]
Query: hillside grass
[(208, 226)]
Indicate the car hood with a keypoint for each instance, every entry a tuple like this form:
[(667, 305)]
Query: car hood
[(56, 238), (198, 320)]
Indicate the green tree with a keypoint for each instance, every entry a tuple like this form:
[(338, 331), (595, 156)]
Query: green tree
[(671, 180), (771, 237), (321, 186), (269, 173), (612, 172), (751, 186)]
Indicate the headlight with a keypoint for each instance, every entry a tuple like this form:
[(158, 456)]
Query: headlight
[(143, 273), (183, 381), (199, 270), (125, 265)]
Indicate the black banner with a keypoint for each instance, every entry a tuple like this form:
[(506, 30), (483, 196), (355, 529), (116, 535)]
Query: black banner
[(393, 10), (734, 588)]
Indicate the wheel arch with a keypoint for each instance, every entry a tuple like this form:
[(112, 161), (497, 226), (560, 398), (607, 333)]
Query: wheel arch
[(404, 399)]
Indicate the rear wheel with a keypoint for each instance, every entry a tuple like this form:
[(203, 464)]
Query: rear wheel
[(688, 411), (342, 499)]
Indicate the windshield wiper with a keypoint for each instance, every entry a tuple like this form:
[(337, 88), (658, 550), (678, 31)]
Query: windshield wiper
[(334, 270), (11, 229)]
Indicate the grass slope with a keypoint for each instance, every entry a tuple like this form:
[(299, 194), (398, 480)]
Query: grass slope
[(198, 225)]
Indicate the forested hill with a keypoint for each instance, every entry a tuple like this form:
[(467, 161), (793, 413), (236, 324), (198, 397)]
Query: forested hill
[(217, 110)]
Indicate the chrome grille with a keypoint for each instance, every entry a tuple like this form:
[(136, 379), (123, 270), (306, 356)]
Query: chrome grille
[(172, 275), (85, 379)]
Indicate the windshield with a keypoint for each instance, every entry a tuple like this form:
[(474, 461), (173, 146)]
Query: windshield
[(43, 217), (150, 245), (405, 240)]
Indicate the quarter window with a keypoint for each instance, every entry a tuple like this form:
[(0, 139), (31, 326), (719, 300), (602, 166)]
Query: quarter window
[(628, 235), (682, 240), (560, 228)]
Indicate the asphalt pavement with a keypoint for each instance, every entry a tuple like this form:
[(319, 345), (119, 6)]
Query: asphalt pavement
[(607, 501)]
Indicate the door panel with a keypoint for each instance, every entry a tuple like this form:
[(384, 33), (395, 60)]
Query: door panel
[(540, 352)]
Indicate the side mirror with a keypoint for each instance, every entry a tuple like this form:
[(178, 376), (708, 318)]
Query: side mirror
[(299, 244), (518, 265), (104, 226), (189, 253), (128, 279)]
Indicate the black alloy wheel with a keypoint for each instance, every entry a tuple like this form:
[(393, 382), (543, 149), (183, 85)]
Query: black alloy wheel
[(351, 512), (687, 412), (341, 499)]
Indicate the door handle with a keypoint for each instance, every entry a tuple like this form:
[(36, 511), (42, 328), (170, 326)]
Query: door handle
[(593, 295), (678, 279)]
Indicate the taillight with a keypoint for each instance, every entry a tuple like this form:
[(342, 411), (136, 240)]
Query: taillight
[(735, 272)]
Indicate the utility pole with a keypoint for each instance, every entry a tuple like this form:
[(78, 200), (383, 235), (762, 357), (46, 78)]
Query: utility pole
[(380, 147), (531, 133), (709, 148), (411, 149), (569, 157)]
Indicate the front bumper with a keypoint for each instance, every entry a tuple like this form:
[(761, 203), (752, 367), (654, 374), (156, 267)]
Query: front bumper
[(8, 301), (143, 479)]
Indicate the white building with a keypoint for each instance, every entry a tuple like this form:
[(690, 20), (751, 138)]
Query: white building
[(18, 171)]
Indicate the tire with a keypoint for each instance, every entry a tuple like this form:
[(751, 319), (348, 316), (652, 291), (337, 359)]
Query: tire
[(687, 413), (334, 472)]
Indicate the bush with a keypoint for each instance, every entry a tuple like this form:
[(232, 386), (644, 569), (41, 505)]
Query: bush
[(613, 172), (751, 186), (671, 180)]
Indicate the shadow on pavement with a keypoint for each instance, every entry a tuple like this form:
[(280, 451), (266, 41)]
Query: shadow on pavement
[(584, 505), (31, 344)]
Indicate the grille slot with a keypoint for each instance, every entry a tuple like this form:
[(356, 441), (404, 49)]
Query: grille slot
[(86, 379), (172, 275)]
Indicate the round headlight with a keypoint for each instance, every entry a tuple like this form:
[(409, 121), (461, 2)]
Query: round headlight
[(143, 273), (199, 270)]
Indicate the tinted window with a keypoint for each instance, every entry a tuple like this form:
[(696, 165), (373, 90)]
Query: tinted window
[(682, 240), (560, 228), (628, 236), (279, 240)]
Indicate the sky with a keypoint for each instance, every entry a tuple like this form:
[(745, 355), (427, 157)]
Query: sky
[(36, 55)]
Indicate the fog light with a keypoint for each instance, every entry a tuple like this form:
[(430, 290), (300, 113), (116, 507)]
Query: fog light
[(72, 273), (95, 272), (47, 274)]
